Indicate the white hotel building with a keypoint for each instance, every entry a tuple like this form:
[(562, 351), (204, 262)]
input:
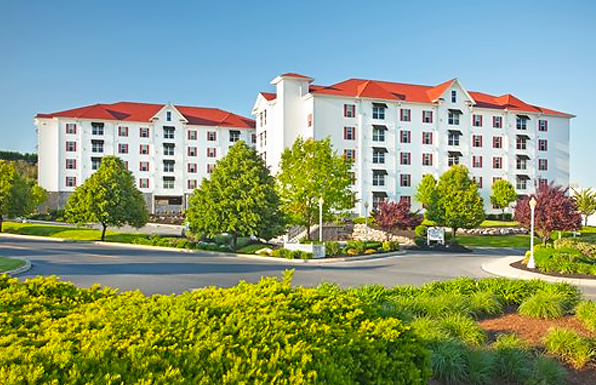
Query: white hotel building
[(396, 133), (168, 148)]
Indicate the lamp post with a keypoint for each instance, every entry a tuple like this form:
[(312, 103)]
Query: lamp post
[(321, 201), (366, 221), (531, 263)]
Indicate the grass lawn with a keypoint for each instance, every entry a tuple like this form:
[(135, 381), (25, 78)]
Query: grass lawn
[(486, 223), (514, 240), (79, 234), (10, 264)]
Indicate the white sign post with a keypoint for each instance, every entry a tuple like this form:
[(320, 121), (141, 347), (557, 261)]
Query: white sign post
[(435, 234)]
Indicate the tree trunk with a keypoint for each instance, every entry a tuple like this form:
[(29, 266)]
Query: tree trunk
[(1, 222), (103, 231), (308, 231), (234, 241), (585, 222), (503, 214), (454, 229)]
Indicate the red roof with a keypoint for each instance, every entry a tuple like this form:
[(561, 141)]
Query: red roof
[(375, 89), (269, 95), (295, 75), (143, 112)]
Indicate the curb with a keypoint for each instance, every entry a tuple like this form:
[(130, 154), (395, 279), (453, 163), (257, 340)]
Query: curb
[(501, 268), (20, 270)]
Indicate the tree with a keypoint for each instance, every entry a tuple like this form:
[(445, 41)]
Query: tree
[(555, 210), (311, 170), (426, 191), (239, 199), (18, 195), (585, 200), (108, 197), (391, 215), (7, 181), (455, 202), (503, 195)]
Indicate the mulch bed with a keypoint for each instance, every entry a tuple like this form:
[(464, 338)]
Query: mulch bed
[(533, 330), (519, 265)]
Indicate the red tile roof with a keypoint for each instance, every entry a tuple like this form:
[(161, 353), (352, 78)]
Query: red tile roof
[(375, 89), (269, 95), (143, 112), (295, 75)]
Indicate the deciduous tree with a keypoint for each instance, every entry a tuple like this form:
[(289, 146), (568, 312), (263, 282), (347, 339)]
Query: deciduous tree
[(240, 199), (392, 215), (108, 197), (311, 170), (503, 195), (555, 210), (426, 190), (585, 200), (18, 195)]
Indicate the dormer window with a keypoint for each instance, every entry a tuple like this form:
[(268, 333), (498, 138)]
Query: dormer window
[(168, 116), (453, 96)]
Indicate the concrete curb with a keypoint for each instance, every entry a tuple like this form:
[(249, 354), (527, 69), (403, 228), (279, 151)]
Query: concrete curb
[(501, 268), (20, 270), (37, 238)]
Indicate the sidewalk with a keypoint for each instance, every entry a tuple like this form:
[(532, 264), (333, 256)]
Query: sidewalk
[(502, 268)]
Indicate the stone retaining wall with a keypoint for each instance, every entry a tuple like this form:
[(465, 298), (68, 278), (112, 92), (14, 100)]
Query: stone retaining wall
[(493, 231), (361, 233)]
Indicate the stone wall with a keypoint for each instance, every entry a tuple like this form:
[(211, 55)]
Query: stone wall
[(361, 233), (493, 231)]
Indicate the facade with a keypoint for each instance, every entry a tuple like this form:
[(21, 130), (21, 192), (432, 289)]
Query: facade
[(396, 133), (169, 149)]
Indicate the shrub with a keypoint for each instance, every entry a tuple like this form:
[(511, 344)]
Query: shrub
[(389, 246), (352, 252), (449, 363), (511, 358), (332, 248), (586, 248), (480, 367), (421, 230), (57, 333), (435, 306), (359, 246), (547, 371), (463, 328), (370, 251), (585, 312), (428, 330), (543, 305), (569, 345), (484, 303)]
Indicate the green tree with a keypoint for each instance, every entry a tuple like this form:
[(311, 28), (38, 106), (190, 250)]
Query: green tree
[(426, 190), (456, 202), (585, 199), (503, 195), (239, 199), (311, 170), (18, 195), (108, 197), (7, 181)]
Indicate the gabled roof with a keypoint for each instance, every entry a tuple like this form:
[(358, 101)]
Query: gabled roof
[(144, 112), (438, 91), (269, 95)]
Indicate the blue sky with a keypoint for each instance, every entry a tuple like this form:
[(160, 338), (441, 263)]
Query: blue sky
[(57, 55)]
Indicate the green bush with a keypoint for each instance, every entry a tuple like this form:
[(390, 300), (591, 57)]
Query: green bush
[(480, 367), (484, 303), (585, 312), (511, 358), (265, 333), (332, 248), (449, 363), (421, 230), (463, 328), (389, 246), (564, 259), (569, 345), (359, 246), (586, 248), (543, 305), (547, 371)]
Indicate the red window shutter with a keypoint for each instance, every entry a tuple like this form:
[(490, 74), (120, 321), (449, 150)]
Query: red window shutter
[(431, 159), (409, 136), (409, 158), (345, 110), (480, 159), (480, 140)]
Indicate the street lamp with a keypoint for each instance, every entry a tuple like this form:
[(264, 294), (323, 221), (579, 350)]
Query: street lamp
[(531, 263), (366, 221), (321, 201)]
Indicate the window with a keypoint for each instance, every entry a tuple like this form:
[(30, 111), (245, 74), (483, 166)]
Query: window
[(476, 140), (97, 128), (378, 111), (406, 198), (97, 146), (453, 118), (378, 178), (542, 164), (497, 122), (168, 149), (168, 132), (405, 114), (122, 148), (192, 135), (405, 180), (350, 110), (71, 181), (477, 161), (234, 136), (71, 146), (521, 163), (521, 142), (144, 132), (496, 178), (71, 128), (377, 198), (169, 116), (144, 149), (405, 136), (453, 159), (453, 138), (521, 183), (379, 155), (350, 154), (405, 158), (122, 131), (352, 177), (192, 151), (71, 164), (143, 182), (378, 133), (497, 162), (168, 182), (168, 166), (542, 145), (542, 182), (542, 125), (427, 116), (264, 117), (497, 142), (427, 138), (95, 163), (477, 120), (477, 180), (211, 152), (350, 133), (453, 96), (309, 120), (126, 164), (144, 166), (253, 138), (192, 168), (210, 168), (211, 136), (191, 184), (522, 122), (261, 121), (427, 159)]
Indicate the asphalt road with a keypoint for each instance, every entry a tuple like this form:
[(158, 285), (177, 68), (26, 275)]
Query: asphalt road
[(164, 272)]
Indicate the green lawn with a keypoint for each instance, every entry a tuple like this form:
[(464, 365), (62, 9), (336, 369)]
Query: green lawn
[(79, 234), (514, 240), (7, 264), (486, 223)]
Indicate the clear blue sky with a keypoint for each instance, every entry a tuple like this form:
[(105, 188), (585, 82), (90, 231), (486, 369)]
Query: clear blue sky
[(57, 55)]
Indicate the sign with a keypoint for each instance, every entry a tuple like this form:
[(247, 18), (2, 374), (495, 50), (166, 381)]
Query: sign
[(435, 234)]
